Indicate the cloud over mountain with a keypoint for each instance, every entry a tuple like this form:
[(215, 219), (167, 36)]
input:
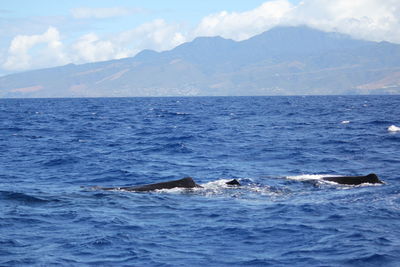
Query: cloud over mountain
[(366, 19), (373, 20), (243, 25), (281, 61)]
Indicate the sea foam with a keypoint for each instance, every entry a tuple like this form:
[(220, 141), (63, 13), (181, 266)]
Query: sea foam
[(308, 177), (393, 128)]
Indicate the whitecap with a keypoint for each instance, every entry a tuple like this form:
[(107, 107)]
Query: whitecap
[(211, 188), (345, 122), (309, 177), (219, 187), (176, 190), (393, 128), (218, 184)]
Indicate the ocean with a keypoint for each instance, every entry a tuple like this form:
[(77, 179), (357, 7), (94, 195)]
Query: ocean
[(54, 151)]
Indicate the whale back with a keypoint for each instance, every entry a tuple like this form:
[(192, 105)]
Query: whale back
[(186, 182), (233, 182), (371, 178)]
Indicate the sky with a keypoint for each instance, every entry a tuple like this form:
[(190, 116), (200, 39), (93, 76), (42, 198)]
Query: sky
[(46, 33)]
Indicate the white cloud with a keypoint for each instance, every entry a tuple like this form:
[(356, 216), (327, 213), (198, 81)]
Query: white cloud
[(90, 48), (101, 13), (45, 50), (19, 58), (157, 35), (365, 19), (240, 26)]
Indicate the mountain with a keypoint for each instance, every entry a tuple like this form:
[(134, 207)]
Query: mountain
[(281, 61)]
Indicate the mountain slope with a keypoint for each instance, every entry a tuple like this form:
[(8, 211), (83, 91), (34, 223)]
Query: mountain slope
[(282, 61)]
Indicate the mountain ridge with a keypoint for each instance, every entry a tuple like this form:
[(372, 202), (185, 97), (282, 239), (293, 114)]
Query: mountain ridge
[(281, 61)]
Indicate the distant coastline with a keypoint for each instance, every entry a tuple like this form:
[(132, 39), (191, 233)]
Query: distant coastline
[(281, 61)]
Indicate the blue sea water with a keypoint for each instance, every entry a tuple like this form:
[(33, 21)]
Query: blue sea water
[(54, 150)]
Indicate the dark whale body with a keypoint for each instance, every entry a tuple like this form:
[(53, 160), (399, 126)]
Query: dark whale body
[(187, 182), (371, 178), (233, 182)]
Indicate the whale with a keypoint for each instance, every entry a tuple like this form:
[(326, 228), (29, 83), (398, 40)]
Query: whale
[(186, 182), (371, 178), (233, 182), (189, 183)]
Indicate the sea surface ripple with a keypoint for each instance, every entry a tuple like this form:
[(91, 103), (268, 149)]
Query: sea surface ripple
[(53, 151)]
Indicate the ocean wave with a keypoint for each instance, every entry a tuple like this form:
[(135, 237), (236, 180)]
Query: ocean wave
[(11, 129), (21, 197), (166, 113), (298, 220), (65, 160), (380, 122), (373, 259)]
